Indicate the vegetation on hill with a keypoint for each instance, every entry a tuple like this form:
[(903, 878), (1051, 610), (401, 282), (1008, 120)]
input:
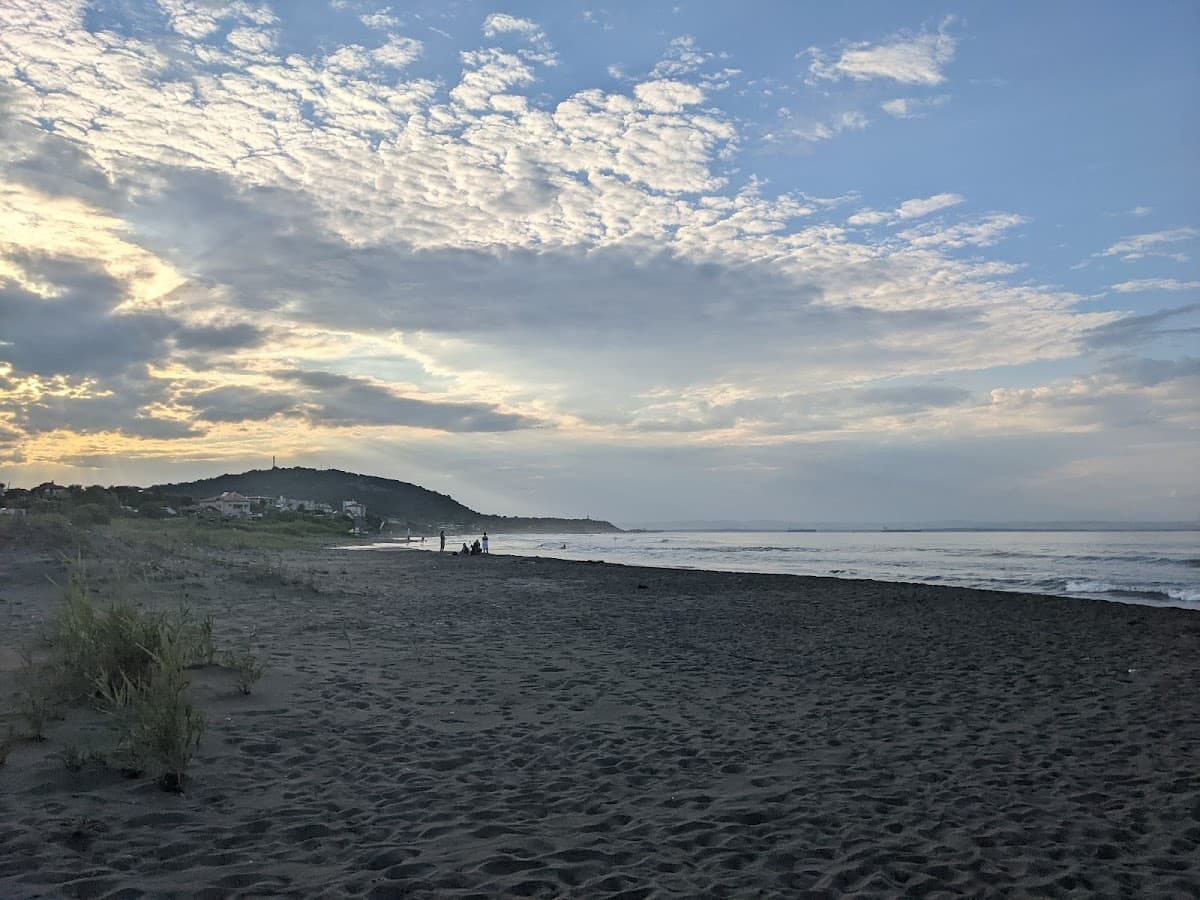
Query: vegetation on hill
[(405, 505), (419, 508)]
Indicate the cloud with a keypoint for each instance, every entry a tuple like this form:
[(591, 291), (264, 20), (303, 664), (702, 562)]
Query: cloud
[(340, 400), (915, 209), (683, 57), (909, 59), (497, 24), (78, 330), (984, 231), (398, 52), (913, 107), (909, 209), (1155, 397), (252, 40), (382, 20), (237, 403), (668, 96), (1130, 330), (821, 131), (1155, 284), (130, 402), (1139, 246), (234, 336), (502, 23), (290, 246)]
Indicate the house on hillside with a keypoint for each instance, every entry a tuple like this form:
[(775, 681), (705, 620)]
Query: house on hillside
[(228, 505), (304, 506), (354, 509), (49, 489)]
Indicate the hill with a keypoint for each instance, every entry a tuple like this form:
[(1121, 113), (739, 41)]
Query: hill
[(417, 507)]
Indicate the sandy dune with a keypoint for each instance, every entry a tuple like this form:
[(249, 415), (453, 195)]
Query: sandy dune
[(491, 727)]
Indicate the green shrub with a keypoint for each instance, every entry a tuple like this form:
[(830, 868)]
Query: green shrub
[(159, 729), (204, 649), (87, 640), (247, 667), (130, 661), (49, 531), (90, 514), (74, 758), (36, 707)]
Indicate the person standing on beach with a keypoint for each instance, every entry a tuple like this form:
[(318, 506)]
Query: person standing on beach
[(442, 535), (485, 550)]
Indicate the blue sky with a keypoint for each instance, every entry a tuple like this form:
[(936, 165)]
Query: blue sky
[(863, 261)]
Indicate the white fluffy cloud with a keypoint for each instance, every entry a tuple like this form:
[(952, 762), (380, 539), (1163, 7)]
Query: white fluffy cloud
[(1153, 243), (908, 59), (383, 20), (909, 209), (913, 107), (1155, 284)]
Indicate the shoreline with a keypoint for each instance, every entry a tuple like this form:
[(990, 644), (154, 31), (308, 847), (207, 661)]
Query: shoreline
[(1116, 598), (434, 726)]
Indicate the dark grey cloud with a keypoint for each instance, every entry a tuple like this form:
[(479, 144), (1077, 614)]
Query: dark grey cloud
[(912, 398), (122, 408), (1139, 329), (53, 165), (269, 247), (340, 400), (236, 336), (327, 398), (78, 332), (81, 333), (1144, 372), (235, 403)]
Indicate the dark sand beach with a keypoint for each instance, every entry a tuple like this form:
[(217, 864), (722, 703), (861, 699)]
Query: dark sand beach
[(433, 726)]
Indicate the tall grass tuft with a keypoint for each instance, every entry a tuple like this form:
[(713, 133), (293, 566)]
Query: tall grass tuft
[(130, 662), (247, 668), (36, 707), (88, 639), (159, 728), (205, 649)]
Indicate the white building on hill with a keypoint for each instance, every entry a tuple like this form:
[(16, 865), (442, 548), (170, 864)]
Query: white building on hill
[(229, 505)]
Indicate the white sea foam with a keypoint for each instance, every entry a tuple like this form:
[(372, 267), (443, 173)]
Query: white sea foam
[(1187, 595)]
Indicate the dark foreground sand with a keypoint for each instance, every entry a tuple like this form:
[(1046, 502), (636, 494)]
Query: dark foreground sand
[(498, 727)]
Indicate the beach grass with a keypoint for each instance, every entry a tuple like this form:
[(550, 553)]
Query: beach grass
[(181, 535), (129, 661), (40, 531)]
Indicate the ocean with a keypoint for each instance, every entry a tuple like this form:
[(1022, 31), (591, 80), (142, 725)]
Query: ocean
[(1155, 568)]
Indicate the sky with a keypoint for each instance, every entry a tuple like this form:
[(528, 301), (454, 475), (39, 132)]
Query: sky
[(641, 261)]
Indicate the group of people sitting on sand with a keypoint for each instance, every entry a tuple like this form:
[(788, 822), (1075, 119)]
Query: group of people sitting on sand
[(479, 548)]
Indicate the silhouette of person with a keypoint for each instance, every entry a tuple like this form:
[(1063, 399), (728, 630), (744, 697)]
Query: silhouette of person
[(485, 549), (442, 535)]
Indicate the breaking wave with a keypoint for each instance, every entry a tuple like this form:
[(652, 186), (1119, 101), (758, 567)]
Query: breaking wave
[(1135, 591)]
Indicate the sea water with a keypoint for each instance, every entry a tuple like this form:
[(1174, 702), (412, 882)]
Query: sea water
[(1157, 568)]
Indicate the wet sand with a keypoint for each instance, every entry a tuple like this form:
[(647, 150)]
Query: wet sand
[(433, 726)]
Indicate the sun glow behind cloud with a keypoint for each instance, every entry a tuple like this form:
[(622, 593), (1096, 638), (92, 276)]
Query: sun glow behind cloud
[(305, 250)]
